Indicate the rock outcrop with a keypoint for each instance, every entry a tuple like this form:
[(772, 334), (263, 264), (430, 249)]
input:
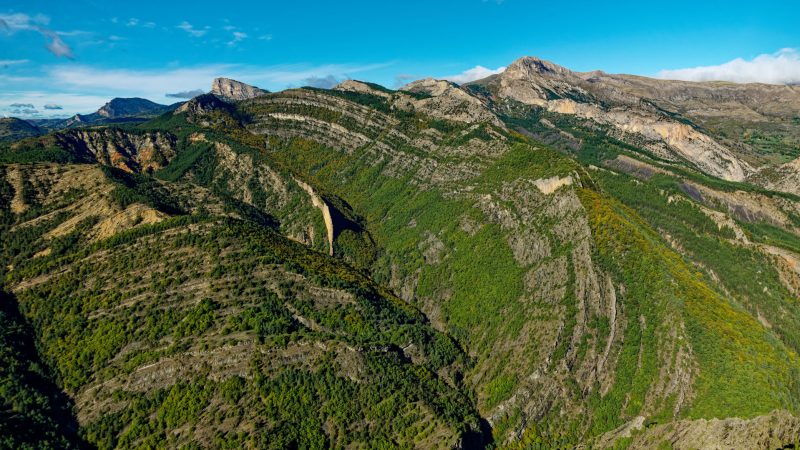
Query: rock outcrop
[(776, 430), (539, 83), (131, 152), (361, 88), (447, 101), (232, 90)]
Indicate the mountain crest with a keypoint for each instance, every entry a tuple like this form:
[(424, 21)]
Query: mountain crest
[(127, 107), (532, 66), (232, 90)]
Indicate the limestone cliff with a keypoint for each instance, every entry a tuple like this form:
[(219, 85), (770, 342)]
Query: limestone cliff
[(232, 90)]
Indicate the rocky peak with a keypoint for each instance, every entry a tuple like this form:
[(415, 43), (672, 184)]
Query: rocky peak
[(232, 90), (431, 86), (447, 101), (360, 87), (203, 103), (533, 67), (534, 81), (199, 110)]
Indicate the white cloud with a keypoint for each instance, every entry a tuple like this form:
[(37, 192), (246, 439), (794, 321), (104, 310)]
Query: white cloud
[(782, 67), (187, 27), (132, 22), (13, 62), (12, 23), (140, 83), (476, 73), (71, 103), (83, 89), (265, 37), (57, 46), (238, 36), (153, 83)]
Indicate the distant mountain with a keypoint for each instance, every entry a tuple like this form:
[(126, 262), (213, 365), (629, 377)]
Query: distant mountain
[(12, 129), (702, 123), (130, 107), (116, 111)]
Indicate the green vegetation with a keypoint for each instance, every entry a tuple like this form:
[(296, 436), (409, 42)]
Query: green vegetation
[(226, 324), (743, 370), (259, 288)]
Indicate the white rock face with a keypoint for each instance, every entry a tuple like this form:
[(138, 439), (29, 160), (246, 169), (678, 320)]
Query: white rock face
[(698, 148), (785, 178), (550, 185), (233, 90), (540, 83)]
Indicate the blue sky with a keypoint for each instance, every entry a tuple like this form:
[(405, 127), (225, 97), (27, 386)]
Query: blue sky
[(73, 56)]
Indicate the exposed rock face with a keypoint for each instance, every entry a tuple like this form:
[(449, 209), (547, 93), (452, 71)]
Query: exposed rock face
[(785, 178), (200, 110), (776, 430), (700, 101), (540, 83), (665, 137), (232, 90), (448, 101), (550, 185), (320, 203), (360, 87), (534, 81), (132, 152)]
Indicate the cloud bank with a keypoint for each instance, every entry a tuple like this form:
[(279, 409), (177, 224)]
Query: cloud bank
[(325, 82), (476, 73), (185, 94), (781, 67), (83, 89)]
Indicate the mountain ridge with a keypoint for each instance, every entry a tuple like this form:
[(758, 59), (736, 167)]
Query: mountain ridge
[(503, 273)]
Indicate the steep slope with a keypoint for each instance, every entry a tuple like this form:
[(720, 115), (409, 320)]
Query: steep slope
[(558, 328), (531, 81), (205, 328), (233, 90), (757, 121), (591, 295)]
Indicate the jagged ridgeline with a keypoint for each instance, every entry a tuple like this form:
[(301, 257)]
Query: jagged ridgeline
[(364, 267)]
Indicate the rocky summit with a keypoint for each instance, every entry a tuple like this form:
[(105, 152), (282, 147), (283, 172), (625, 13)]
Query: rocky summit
[(541, 258), (233, 90)]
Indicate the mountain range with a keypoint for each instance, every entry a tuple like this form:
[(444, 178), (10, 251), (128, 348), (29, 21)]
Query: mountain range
[(539, 259)]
